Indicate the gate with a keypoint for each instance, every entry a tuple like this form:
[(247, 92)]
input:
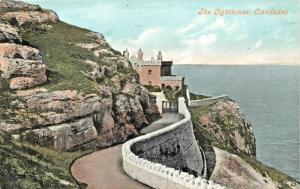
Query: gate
[(169, 107)]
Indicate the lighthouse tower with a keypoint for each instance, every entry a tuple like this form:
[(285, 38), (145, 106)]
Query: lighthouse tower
[(140, 55), (159, 56), (126, 54)]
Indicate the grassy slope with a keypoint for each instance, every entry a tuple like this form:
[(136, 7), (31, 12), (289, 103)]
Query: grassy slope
[(64, 59), (5, 100), (61, 55), (25, 166), (207, 140)]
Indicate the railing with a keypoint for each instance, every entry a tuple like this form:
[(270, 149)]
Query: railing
[(171, 78), (206, 101), (203, 102), (169, 107), (160, 176)]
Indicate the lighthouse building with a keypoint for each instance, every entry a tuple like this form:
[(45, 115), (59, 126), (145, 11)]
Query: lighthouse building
[(155, 71)]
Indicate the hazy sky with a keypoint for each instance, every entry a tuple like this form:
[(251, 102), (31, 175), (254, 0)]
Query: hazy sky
[(175, 27)]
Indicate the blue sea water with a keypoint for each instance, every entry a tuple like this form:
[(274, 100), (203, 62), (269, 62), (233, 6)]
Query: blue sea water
[(269, 97)]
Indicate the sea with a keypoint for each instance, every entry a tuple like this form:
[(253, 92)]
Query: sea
[(269, 97)]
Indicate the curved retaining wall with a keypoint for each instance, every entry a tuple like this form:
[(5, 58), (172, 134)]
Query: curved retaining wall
[(152, 172)]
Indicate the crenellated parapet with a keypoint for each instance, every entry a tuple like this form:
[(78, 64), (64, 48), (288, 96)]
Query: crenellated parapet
[(141, 164)]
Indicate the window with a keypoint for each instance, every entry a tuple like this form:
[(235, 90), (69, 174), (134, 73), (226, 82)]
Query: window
[(149, 72), (150, 83)]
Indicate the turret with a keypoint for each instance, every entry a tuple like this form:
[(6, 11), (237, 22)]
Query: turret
[(140, 55), (159, 56), (126, 54)]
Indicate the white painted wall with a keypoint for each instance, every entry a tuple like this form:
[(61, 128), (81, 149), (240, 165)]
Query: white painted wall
[(160, 97), (157, 175)]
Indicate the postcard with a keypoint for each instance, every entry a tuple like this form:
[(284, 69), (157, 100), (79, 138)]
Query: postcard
[(136, 94)]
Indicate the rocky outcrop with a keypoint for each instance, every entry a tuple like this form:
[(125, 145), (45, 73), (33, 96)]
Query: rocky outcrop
[(229, 146), (20, 13), (22, 17), (8, 33), (19, 62), (59, 106), (66, 119), (7, 5), (98, 71), (23, 65), (234, 172), (64, 136), (227, 123)]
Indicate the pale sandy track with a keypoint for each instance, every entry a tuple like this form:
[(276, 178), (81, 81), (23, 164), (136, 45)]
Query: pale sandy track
[(103, 169)]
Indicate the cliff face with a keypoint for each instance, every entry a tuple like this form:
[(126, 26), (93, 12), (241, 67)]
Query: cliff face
[(64, 87), (229, 126), (229, 144)]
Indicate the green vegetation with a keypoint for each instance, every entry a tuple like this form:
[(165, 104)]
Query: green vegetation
[(28, 166), (6, 99), (205, 138), (152, 88), (62, 56), (10, 112), (25, 166), (66, 60), (173, 95), (265, 170)]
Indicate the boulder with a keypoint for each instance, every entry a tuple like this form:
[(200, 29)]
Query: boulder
[(9, 127), (14, 51), (19, 67), (89, 46), (129, 110), (64, 137), (61, 106), (98, 71), (9, 34), (23, 65), (27, 82), (234, 172)]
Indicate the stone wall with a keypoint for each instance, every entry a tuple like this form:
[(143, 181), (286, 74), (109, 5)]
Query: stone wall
[(160, 97), (154, 167), (207, 101), (172, 81), (149, 74), (175, 149)]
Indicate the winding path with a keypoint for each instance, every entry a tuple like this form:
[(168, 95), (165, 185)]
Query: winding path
[(103, 169)]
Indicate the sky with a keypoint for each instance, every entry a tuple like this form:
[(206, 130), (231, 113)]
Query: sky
[(184, 36)]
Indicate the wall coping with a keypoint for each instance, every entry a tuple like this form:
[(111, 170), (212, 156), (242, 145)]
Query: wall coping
[(183, 179), (192, 102), (195, 103), (171, 78)]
